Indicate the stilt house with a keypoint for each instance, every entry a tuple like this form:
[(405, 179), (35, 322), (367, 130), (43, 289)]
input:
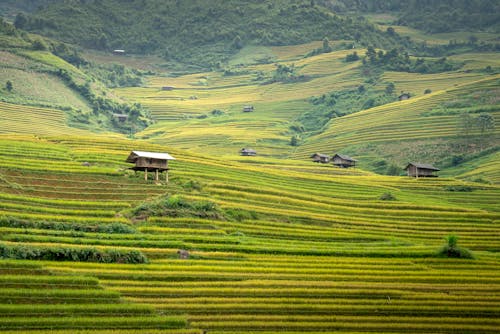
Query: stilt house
[(150, 162), (416, 169), (318, 157), (343, 161)]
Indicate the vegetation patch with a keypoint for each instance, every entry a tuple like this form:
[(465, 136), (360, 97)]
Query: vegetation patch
[(451, 249), (25, 252), (176, 206), (63, 226)]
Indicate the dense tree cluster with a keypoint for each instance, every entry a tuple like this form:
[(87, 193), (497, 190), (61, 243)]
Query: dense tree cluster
[(429, 15), (400, 61)]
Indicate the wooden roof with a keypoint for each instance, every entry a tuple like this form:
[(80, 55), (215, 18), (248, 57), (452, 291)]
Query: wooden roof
[(247, 150), (320, 155), (134, 155), (422, 166), (344, 157)]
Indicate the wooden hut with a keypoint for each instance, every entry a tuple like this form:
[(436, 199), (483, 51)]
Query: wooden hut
[(150, 162), (247, 152), (404, 96), (118, 52), (343, 161), (318, 157), (247, 108), (120, 117), (416, 169)]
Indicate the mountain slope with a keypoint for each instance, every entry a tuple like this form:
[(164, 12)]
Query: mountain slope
[(200, 32)]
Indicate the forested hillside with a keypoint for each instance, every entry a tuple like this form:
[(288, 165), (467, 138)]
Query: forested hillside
[(428, 15), (198, 31)]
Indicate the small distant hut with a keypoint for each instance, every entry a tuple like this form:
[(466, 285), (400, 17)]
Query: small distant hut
[(247, 108), (404, 96), (119, 52), (167, 88), (343, 161), (247, 152), (318, 157), (416, 169), (150, 162), (120, 117)]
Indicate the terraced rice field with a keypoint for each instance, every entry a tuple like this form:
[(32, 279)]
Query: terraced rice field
[(307, 249), (398, 121), (185, 120)]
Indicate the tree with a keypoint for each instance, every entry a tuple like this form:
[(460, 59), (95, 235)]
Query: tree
[(466, 125), (326, 45), (39, 45), (237, 42), (391, 31), (294, 141), (485, 123), (20, 21), (8, 85), (389, 89)]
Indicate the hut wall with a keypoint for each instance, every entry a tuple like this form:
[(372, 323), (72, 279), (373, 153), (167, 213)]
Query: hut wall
[(152, 163)]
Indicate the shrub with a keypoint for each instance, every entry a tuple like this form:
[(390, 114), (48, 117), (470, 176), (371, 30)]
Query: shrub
[(427, 91), (24, 252), (8, 86), (66, 226), (387, 197), (451, 249), (459, 188)]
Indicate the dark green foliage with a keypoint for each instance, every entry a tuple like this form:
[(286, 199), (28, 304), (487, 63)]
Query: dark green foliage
[(138, 117), (394, 60), (7, 29), (294, 141), (116, 75), (340, 103), (177, 206), (352, 57), (451, 249), (20, 21), (39, 45), (427, 91), (286, 74), (460, 188), (66, 226), (431, 16), (197, 32), (393, 170), (217, 112), (8, 86), (24, 252), (387, 197), (389, 89), (240, 214), (485, 123)]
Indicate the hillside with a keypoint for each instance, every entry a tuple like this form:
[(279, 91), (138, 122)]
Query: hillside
[(231, 244), (217, 30), (432, 17)]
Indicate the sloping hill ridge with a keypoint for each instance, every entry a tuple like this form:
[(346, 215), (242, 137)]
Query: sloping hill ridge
[(201, 32)]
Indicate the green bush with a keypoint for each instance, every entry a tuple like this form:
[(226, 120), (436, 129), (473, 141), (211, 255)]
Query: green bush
[(25, 252), (387, 197), (177, 206), (451, 249), (66, 226), (459, 188)]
